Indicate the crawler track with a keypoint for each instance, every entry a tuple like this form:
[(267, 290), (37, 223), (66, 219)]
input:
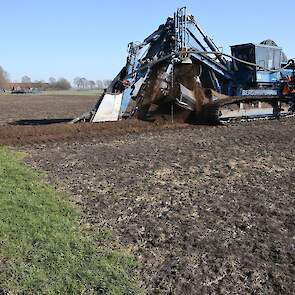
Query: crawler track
[(212, 112)]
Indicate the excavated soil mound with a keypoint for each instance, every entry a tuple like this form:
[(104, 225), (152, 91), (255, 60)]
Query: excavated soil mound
[(32, 119), (24, 135)]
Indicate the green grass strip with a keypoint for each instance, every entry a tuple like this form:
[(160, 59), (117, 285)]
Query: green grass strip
[(43, 249)]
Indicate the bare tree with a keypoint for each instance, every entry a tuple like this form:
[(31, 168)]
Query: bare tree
[(107, 83), (81, 82), (84, 83), (63, 84), (26, 79), (4, 80), (77, 82), (52, 81), (91, 84), (99, 84)]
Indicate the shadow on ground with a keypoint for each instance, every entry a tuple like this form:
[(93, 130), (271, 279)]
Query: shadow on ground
[(34, 122)]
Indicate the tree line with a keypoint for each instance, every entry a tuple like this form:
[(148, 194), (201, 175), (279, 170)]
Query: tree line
[(83, 83), (58, 84)]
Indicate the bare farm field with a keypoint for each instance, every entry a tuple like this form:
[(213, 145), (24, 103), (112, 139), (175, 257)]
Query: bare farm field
[(205, 210), (38, 109)]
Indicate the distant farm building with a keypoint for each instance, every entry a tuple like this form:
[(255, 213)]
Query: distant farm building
[(28, 87)]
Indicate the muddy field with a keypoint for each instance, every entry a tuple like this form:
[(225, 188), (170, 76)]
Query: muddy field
[(42, 109), (206, 210)]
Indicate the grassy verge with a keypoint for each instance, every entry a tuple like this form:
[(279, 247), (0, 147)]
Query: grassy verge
[(43, 250)]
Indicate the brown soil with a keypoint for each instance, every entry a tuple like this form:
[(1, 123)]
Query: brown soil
[(206, 210), (35, 107), (32, 119), (27, 135)]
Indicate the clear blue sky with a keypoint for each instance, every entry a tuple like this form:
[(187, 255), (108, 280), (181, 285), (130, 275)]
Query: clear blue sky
[(69, 38)]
